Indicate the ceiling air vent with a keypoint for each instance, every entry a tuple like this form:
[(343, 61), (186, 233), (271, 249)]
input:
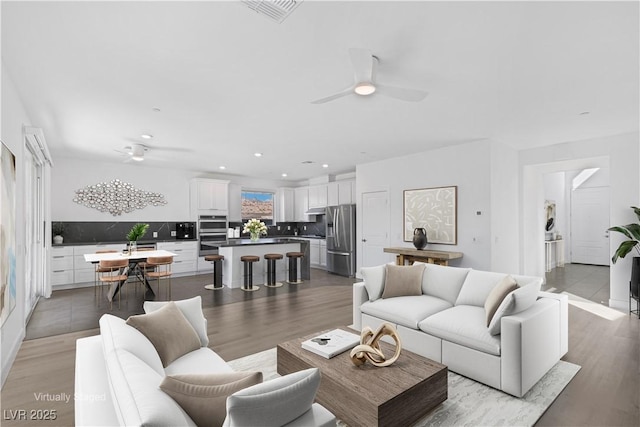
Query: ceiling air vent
[(277, 10)]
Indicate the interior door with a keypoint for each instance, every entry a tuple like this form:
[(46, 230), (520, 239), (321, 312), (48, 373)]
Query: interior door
[(589, 224), (374, 228)]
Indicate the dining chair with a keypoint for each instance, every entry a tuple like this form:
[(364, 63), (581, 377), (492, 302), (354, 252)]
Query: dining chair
[(107, 276), (97, 271), (162, 270), (143, 267)]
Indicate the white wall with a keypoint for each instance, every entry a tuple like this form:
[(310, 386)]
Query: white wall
[(624, 178), (71, 174), (468, 166), (504, 209), (13, 118)]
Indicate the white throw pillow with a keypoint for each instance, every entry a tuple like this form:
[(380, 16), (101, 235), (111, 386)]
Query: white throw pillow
[(374, 278), (442, 281), (192, 310), (517, 301), (477, 286), (275, 402)]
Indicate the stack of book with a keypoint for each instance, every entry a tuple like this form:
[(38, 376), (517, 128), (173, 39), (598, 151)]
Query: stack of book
[(332, 343)]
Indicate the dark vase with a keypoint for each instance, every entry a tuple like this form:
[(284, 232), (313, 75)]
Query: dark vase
[(635, 277), (419, 238)]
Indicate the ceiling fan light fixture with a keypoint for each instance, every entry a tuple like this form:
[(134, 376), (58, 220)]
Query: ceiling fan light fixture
[(364, 88), (137, 152), (137, 158)]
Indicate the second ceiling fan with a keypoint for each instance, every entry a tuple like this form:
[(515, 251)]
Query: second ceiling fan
[(364, 66)]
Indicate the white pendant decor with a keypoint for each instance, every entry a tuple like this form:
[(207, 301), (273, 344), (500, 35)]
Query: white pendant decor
[(117, 197)]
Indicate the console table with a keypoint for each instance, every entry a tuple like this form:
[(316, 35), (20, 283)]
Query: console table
[(410, 255), (553, 260)]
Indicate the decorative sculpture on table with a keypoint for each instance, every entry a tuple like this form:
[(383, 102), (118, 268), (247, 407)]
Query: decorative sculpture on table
[(369, 347)]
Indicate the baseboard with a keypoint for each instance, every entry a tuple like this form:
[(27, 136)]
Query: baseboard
[(13, 353), (619, 304)]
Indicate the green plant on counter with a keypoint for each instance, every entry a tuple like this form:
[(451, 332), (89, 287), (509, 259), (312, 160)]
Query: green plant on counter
[(631, 231), (137, 231), (57, 229)]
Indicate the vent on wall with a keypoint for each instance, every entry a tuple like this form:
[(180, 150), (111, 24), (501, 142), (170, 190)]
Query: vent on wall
[(277, 10)]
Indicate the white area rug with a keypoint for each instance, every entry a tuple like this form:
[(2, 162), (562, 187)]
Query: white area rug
[(470, 403)]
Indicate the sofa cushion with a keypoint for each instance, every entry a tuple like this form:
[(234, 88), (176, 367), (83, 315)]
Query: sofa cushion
[(192, 310), (116, 334), (406, 311), (477, 286), (275, 402), (403, 281), (169, 332), (374, 280), (497, 295), (204, 396), (201, 361), (138, 400), (464, 325), (443, 282), (516, 301)]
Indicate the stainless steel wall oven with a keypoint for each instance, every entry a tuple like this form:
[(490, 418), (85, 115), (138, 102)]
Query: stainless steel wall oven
[(212, 230)]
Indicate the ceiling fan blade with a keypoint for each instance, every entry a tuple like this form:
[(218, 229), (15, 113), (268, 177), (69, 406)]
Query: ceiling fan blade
[(362, 61), (335, 96), (411, 95)]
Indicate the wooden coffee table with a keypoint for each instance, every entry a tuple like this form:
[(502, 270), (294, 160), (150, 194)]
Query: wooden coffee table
[(399, 394)]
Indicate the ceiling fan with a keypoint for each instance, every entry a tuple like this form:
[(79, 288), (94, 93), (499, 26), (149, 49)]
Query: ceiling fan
[(134, 151), (364, 66)]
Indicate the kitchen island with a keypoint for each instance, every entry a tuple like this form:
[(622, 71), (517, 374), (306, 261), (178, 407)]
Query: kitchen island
[(234, 249)]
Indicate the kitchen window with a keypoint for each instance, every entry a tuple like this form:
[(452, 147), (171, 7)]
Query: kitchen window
[(259, 205)]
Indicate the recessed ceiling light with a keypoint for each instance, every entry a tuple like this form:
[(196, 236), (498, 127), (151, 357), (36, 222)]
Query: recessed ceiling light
[(284, 175), (146, 136), (364, 88), (257, 154), (222, 167), (325, 165)]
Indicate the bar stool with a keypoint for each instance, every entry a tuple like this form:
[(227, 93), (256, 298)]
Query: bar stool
[(217, 272), (271, 270), (293, 267), (248, 261)]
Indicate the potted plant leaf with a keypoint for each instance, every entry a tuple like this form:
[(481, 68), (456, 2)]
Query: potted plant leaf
[(632, 232), (136, 232)]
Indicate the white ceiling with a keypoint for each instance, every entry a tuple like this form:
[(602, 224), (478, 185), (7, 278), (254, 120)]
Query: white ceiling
[(230, 82)]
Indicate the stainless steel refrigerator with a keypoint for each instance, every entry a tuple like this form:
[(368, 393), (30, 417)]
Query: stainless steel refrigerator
[(341, 240)]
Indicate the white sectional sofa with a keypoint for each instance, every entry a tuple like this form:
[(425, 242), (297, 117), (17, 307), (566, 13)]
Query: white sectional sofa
[(447, 323), (119, 372)]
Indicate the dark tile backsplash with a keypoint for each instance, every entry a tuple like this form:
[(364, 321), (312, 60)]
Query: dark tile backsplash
[(103, 232)]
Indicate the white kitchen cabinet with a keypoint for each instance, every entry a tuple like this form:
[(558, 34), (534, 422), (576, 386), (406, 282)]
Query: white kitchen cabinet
[(209, 197), (341, 193), (332, 194), (323, 253), (346, 194), (318, 196), (186, 259), (301, 204), (204, 266), (285, 205), (235, 203), (61, 265), (314, 249)]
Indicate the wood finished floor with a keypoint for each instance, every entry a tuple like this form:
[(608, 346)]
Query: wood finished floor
[(604, 393)]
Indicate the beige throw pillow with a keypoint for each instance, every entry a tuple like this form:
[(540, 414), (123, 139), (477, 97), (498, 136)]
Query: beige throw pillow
[(169, 331), (203, 396), (403, 280), (497, 294)]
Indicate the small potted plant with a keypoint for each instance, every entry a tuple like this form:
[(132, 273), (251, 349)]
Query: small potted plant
[(255, 228), (136, 232), (57, 229), (632, 232)]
